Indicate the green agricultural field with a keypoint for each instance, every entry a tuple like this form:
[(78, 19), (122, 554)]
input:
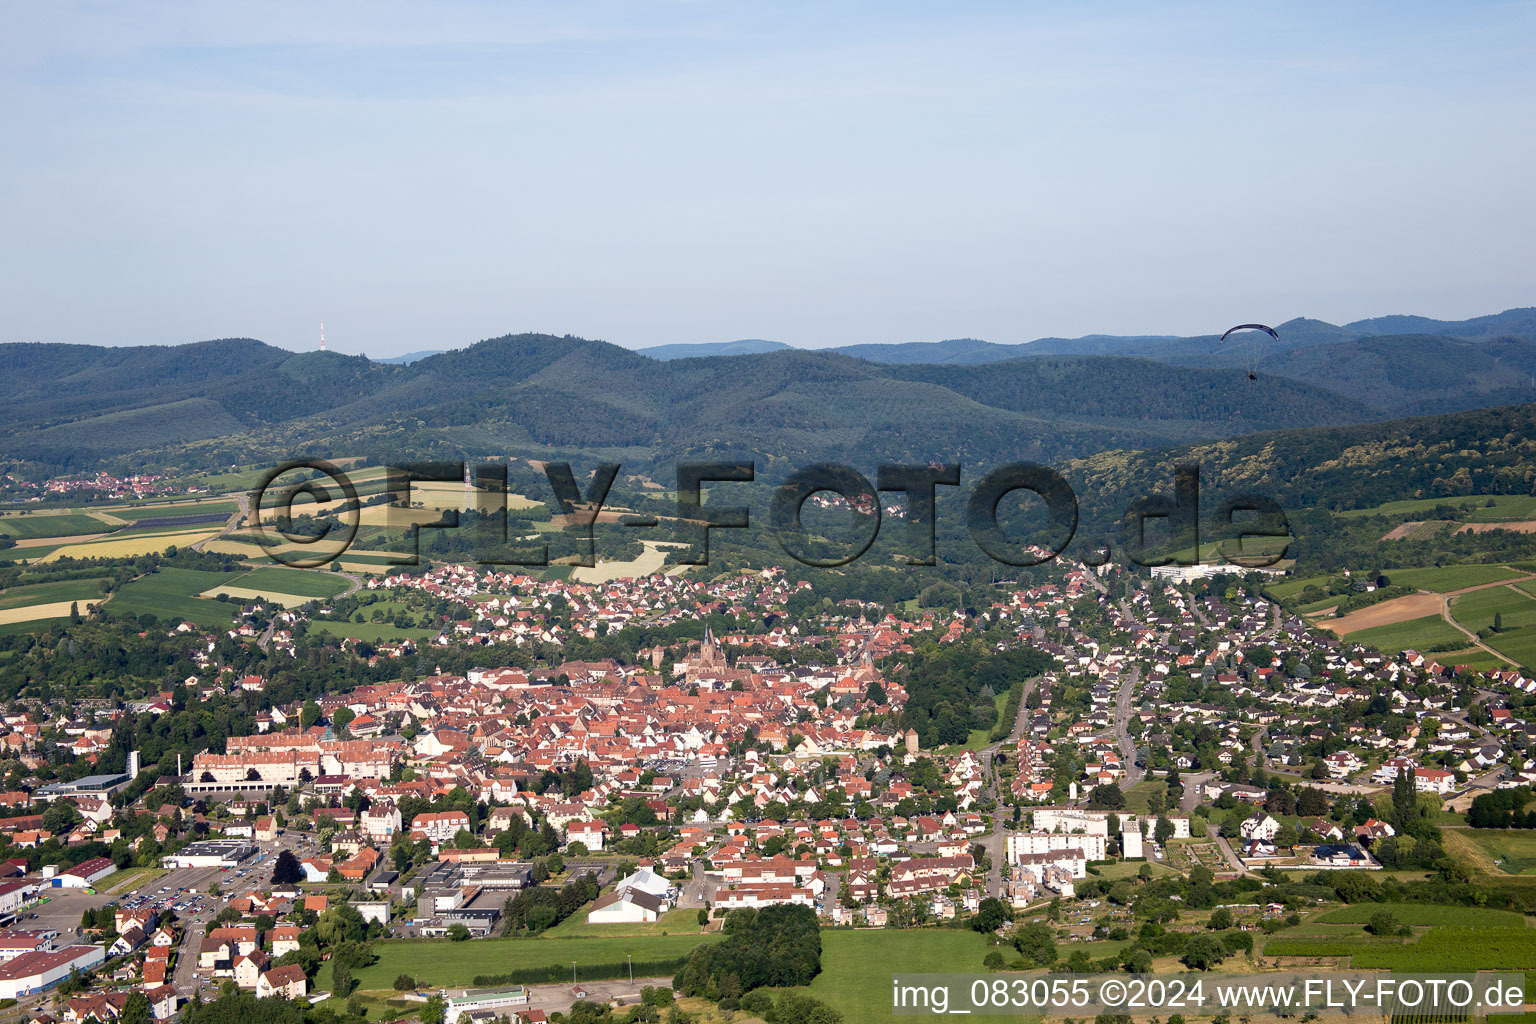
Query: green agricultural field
[(1473, 504), (27, 525), (1476, 610), (171, 593), (435, 963), (1517, 645), (176, 509), (1505, 507), (51, 593), (299, 582), (11, 556), (857, 964), (1425, 914), (1426, 633), (382, 558), (29, 625), (1455, 949), (1449, 577)]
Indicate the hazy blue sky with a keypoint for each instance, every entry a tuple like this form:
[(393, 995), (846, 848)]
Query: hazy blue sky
[(423, 175)]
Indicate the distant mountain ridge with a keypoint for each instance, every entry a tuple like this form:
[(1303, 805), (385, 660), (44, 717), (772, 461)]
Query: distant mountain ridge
[(235, 401), (744, 347), (1298, 332), (412, 357)]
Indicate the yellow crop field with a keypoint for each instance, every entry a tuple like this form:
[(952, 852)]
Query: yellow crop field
[(127, 547), (53, 610), (651, 560), (286, 600)]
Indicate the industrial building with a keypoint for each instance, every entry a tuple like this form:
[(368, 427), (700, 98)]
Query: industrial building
[(209, 853), (31, 973)]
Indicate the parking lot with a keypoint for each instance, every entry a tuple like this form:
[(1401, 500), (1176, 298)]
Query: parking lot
[(62, 911)]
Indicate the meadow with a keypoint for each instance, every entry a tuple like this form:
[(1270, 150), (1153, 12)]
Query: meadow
[(1495, 850)]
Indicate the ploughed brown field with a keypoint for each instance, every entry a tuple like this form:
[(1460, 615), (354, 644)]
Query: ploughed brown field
[(1399, 609), (1521, 526)]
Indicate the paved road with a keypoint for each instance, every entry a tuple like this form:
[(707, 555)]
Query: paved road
[(1233, 860), (1193, 785), (698, 890), (235, 519), (994, 842), (1257, 743), (1124, 705)]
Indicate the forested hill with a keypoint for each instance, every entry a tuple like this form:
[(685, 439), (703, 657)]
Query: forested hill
[(239, 400), (1485, 451), (66, 407)]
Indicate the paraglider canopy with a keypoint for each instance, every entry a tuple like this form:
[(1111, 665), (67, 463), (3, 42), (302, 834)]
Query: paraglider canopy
[(1248, 345)]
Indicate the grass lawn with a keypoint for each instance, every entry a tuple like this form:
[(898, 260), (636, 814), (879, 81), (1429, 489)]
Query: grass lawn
[(1131, 868), (1138, 796), (130, 878), (674, 922), (51, 593), (1429, 632), (373, 632), (437, 963), (299, 582), (857, 964), (1449, 577), (979, 738), (170, 594), (1476, 610), (1517, 645), (1290, 588)]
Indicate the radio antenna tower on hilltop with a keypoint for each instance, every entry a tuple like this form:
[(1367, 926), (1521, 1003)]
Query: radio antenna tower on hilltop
[(322, 336)]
